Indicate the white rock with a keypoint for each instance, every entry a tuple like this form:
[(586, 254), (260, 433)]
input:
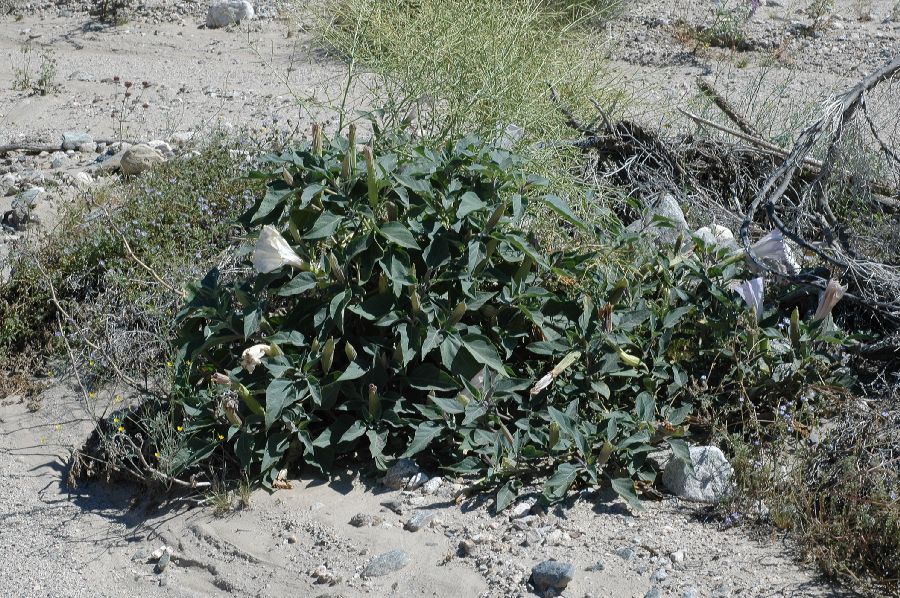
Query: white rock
[(521, 509), (139, 158), (223, 13), (432, 485), (416, 481), (83, 179), (162, 147), (718, 235), (709, 482)]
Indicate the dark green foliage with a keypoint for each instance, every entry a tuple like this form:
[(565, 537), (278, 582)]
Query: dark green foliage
[(423, 318)]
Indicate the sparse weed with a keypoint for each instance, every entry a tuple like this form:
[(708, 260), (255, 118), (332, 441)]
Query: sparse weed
[(113, 12), (36, 72)]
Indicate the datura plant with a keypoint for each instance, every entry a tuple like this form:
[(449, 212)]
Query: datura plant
[(397, 306)]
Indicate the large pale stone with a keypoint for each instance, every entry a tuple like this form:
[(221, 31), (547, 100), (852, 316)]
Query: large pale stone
[(139, 158)]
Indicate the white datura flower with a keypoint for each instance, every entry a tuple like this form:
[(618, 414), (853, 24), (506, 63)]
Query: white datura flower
[(829, 298), (272, 252), (252, 356), (773, 249), (751, 291)]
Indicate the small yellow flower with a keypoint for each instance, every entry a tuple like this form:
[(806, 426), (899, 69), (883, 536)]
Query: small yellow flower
[(91, 363), (115, 420), (57, 426), (121, 428), (118, 398), (156, 454), (168, 364), (90, 395), (178, 428), (221, 437)]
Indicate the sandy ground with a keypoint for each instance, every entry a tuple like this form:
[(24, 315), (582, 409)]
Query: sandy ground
[(96, 540)]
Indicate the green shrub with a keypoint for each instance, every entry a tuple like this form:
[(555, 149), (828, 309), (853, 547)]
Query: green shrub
[(417, 318), (177, 219)]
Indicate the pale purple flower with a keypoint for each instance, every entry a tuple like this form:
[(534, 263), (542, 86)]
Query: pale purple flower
[(773, 249), (828, 299), (751, 291), (272, 252)]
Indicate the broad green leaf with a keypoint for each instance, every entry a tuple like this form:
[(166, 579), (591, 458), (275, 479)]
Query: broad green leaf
[(325, 226), (505, 496), (280, 393), (399, 234), (556, 487), (468, 203), (624, 487), (299, 284), (562, 208), (425, 433), (484, 352)]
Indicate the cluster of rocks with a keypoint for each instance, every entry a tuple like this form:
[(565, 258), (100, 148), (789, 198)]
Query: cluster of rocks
[(218, 13)]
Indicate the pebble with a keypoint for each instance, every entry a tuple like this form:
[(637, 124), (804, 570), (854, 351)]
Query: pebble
[(419, 520), (677, 556), (386, 563), (551, 574), (626, 554), (393, 505), (72, 140), (653, 592), (365, 520), (432, 485), (400, 474), (466, 547)]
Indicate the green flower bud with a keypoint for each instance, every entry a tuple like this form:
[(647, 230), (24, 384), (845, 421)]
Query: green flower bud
[(230, 409), (458, 312), (382, 283), (351, 143), (495, 218), (314, 346), (374, 401), (415, 302), (336, 270), (628, 359), (345, 166), (371, 176), (463, 399), (328, 354), (554, 434), (317, 139), (795, 328), (350, 351), (287, 177), (618, 292), (251, 403)]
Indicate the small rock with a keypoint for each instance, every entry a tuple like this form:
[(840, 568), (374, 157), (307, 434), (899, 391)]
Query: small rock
[(653, 592), (82, 179), (88, 148), (385, 563), (292, 539), (365, 520), (521, 509), (223, 13), (140, 158), (598, 566), (677, 556), (432, 485), (466, 547), (709, 482), (419, 520), (690, 593), (416, 481), (551, 574), (626, 554), (72, 139), (665, 207), (163, 561), (400, 473), (533, 538), (162, 147), (394, 505), (660, 575)]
